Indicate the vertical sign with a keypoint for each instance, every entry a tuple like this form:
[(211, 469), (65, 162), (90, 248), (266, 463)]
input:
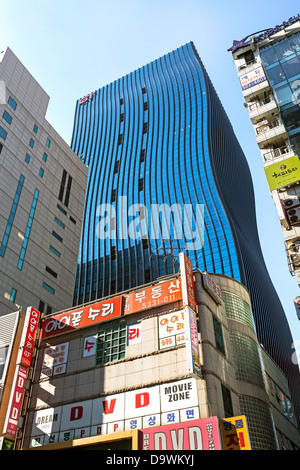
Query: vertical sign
[(212, 288), (187, 282), (192, 344), (28, 337), (235, 433), (16, 400)]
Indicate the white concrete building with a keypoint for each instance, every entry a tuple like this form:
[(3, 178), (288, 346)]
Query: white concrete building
[(42, 192)]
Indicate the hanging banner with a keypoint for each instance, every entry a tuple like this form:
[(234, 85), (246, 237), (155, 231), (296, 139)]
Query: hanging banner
[(212, 288), (192, 344), (187, 280), (16, 400), (28, 337)]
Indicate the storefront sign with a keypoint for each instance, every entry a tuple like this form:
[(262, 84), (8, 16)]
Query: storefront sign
[(235, 433), (89, 346), (134, 334), (253, 78), (55, 360), (200, 434), (283, 173), (187, 281), (84, 316), (136, 409), (192, 344), (87, 98), (212, 288), (171, 329), (150, 297), (28, 337), (16, 400)]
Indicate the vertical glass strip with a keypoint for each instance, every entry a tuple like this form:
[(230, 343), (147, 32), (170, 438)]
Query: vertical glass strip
[(28, 229), (11, 216)]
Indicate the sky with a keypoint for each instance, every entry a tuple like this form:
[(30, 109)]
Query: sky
[(74, 47)]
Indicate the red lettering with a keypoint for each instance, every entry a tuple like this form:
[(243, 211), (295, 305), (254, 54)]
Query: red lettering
[(76, 413), (142, 399), (115, 427), (82, 433), (241, 439), (109, 407)]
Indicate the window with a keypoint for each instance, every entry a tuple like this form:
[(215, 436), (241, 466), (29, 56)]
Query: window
[(48, 288), (276, 75), (1, 147), (12, 103), (291, 67), (3, 355), (58, 237), (27, 158), (226, 394), (45, 156), (72, 220), (3, 133), (50, 271), (48, 142), (61, 209), (68, 191), (54, 250), (35, 129), (7, 117), (111, 342), (145, 127), (120, 139), (12, 216), (141, 184), (13, 295), (41, 306), (59, 222), (41, 172), (28, 229), (142, 156), (218, 335)]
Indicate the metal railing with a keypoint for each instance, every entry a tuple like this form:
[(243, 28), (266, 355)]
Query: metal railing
[(278, 152)]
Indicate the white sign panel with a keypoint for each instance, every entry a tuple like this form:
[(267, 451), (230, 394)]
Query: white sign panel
[(55, 360), (171, 329), (89, 346), (252, 78), (134, 334)]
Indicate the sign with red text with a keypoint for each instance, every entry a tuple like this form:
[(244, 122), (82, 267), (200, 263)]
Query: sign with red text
[(192, 344), (235, 433), (55, 360), (171, 329), (154, 296), (135, 409), (87, 98), (187, 280), (28, 337), (212, 288), (200, 434), (83, 316), (89, 346), (16, 400), (134, 334)]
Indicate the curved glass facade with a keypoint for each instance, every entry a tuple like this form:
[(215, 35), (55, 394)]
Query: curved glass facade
[(166, 168)]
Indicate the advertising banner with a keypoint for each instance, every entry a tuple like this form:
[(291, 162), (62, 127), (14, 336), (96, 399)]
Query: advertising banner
[(28, 337), (171, 329), (16, 400), (153, 296), (200, 434), (83, 316), (235, 433), (212, 288), (187, 280), (192, 344), (283, 173), (252, 78)]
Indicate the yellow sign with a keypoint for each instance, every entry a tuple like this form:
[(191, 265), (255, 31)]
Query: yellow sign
[(235, 433), (282, 173)]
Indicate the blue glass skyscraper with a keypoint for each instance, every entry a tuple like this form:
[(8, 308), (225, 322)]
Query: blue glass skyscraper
[(159, 144)]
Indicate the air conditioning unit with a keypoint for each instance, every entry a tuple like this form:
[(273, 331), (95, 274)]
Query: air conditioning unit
[(291, 201), (293, 215), (294, 254)]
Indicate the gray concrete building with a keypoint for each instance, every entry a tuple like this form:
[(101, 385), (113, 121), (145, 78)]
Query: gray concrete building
[(42, 192)]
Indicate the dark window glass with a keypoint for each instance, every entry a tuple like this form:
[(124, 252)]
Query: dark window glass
[(219, 335), (62, 185), (68, 191), (276, 75), (7, 117), (226, 394), (283, 49), (268, 56), (12, 102), (291, 67)]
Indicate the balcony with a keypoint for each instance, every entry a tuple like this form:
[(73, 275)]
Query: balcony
[(279, 153), (267, 131), (265, 108)]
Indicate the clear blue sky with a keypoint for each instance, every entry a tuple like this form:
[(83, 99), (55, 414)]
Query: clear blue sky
[(73, 47)]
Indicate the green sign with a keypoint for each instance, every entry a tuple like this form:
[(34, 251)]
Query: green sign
[(283, 173), (7, 444)]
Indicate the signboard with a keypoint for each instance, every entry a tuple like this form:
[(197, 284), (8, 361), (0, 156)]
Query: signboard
[(83, 316), (283, 173), (28, 337), (253, 78), (200, 434), (134, 334), (187, 280), (192, 344), (55, 360), (235, 433), (135, 409), (212, 288), (16, 400), (150, 297), (171, 329)]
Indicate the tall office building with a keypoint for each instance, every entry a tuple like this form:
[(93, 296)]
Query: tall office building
[(268, 67), (159, 143), (42, 191)]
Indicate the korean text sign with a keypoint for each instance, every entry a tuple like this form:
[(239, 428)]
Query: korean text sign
[(235, 433), (16, 400), (200, 434), (83, 316), (28, 337), (282, 173)]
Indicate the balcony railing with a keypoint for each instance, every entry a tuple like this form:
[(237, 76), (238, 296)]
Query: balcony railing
[(241, 67), (278, 152), (266, 126), (259, 104)]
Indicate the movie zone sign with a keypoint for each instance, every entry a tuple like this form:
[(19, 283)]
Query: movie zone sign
[(136, 409)]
